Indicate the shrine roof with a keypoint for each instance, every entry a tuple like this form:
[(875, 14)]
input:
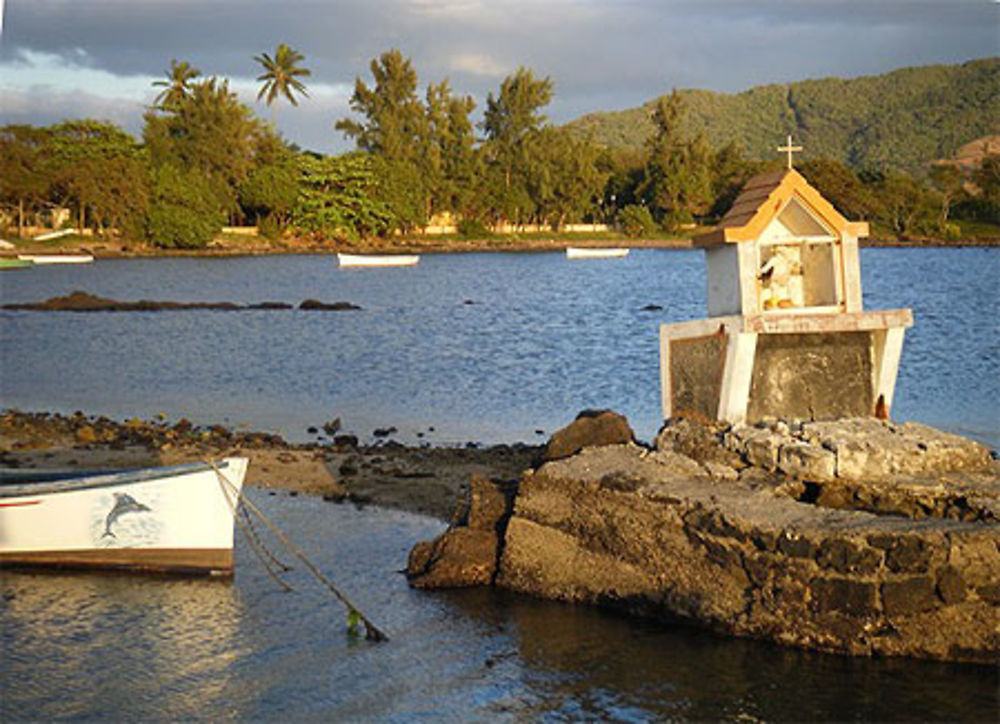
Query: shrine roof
[(763, 197)]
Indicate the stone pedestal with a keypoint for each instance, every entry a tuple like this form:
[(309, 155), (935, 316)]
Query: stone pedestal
[(812, 367)]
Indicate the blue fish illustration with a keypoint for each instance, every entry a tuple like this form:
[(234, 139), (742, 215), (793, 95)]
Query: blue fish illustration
[(124, 503)]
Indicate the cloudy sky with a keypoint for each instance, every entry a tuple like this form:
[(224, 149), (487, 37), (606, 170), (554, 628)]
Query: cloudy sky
[(98, 58)]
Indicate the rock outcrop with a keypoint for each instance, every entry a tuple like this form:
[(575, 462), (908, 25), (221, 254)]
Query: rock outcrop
[(591, 428), (859, 537), (468, 553)]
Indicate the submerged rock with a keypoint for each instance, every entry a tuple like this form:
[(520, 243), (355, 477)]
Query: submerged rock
[(80, 301)]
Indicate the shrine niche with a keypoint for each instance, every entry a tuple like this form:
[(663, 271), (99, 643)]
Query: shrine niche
[(786, 335)]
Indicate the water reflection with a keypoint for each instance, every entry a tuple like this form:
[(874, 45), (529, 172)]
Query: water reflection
[(136, 648)]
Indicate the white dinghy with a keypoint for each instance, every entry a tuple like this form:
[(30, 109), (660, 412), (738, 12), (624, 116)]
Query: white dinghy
[(583, 252), (377, 260)]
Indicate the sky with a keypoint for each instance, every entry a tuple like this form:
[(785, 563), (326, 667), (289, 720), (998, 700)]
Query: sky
[(62, 59)]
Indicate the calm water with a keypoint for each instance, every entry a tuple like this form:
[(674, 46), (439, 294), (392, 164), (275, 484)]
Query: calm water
[(484, 347), (127, 648), (542, 339)]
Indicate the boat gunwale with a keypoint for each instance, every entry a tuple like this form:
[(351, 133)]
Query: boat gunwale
[(88, 480)]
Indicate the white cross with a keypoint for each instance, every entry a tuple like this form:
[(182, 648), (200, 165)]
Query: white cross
[(790, 149)]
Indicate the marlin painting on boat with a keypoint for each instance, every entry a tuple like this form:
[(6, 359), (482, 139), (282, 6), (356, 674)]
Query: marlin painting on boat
[(175, 519)]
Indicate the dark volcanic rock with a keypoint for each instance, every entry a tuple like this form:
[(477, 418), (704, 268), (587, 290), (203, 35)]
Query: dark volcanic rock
[(79, 301), (591, 428), (83, 302), (315, 305)]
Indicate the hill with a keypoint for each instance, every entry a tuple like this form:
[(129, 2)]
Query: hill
[(900, 120)]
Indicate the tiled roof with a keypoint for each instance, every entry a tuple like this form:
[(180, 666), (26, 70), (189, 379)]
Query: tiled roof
[(762, 198)]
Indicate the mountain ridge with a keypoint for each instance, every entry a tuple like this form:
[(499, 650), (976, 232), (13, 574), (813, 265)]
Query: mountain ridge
[(897, 121)]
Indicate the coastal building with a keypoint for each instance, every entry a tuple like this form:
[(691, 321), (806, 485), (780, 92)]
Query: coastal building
[(787, 335)]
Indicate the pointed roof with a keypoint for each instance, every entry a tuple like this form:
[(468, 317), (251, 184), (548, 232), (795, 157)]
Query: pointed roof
[(763, 198)]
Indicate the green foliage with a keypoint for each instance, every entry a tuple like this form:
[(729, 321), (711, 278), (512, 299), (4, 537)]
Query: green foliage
[(561, 176), (270, 191), (101, 170), (208, 131), (339, 197), (182, 212), (281, 75), (678, 176), (840, 186), (636, 221), (24, 170), (898, 121), (449, 160), (395, 120), (402, 188), (176, 86), (473, 229)]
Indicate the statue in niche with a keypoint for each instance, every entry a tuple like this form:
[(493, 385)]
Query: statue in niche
[(781, 279)]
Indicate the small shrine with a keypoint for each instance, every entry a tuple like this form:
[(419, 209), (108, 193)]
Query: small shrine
[(787, 335)]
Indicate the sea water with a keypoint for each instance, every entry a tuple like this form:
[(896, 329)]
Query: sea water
[(137, 648), (484, 347)]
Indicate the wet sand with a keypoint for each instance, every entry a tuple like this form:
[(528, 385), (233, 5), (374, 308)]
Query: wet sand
[(428, 480)]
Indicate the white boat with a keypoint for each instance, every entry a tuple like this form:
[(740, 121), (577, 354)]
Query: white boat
[(55, 234), (174, 519), (377, 259), (582, 252), (57, 258)]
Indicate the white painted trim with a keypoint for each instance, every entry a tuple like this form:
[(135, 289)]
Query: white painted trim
[(736, 377), (888, 347), (666, 392)]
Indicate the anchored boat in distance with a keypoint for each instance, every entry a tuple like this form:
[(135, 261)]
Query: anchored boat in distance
[(364, 260), (583, 252)]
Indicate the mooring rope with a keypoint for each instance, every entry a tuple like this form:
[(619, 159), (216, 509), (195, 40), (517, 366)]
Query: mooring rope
[(246, 527), (372, 632), (253, 534)]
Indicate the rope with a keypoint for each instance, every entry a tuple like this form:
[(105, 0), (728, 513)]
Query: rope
[(246, 527), (253, 534), (372, 632)]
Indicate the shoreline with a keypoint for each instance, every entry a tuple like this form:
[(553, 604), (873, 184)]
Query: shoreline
[(112, 249), (425, 480)]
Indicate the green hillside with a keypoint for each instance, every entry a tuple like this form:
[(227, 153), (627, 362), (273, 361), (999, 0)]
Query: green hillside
[(900, 120)]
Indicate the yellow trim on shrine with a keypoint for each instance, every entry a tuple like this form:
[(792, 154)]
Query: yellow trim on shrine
[(763, 198)]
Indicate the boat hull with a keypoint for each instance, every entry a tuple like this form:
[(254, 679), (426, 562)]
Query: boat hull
[(366, 260), (56, 258), (7, 263), (589, 253), (176, 519)]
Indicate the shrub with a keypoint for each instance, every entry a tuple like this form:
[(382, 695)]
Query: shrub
[(636, 221), (472, 229), (183, 213)]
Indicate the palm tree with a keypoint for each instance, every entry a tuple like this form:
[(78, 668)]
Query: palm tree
[(281, 73), (176, 85)]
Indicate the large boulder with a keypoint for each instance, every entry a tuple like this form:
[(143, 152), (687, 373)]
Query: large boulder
[(468, 552), (591, 428)]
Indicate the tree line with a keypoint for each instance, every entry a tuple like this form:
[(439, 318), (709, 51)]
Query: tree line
[(206, 160)]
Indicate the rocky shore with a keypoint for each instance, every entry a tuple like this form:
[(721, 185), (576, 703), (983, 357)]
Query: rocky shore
[(859, 537), (426, 480)]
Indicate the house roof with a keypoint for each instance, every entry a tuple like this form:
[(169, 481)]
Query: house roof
[(763, 198)]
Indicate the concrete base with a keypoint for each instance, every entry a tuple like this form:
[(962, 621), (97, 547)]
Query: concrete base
[(808, 366)]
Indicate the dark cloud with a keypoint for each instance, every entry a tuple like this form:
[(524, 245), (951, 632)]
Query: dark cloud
[(601, 54)]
